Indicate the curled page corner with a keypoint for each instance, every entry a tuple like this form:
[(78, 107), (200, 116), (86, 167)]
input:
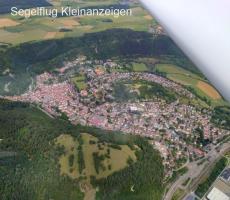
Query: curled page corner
[(201, 28)]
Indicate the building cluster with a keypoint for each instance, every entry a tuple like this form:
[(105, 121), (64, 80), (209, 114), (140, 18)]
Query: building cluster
[(100, 84), (171, 127)]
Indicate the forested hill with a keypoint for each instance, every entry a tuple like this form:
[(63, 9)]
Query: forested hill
[(29, 167), (29, 59), (5, 5), (99, 45)]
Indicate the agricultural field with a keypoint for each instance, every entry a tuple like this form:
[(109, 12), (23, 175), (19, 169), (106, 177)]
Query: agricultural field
[(5, 22), (82, 3), (208, 90), (16, 30), (198, 84)]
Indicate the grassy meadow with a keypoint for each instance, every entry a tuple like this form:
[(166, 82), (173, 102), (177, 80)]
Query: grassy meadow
[(114, 161), (79, 82), (111, 158), (139, 67), (201, 86)]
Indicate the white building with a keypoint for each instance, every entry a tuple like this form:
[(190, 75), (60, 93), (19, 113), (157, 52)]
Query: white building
[(216, 194)]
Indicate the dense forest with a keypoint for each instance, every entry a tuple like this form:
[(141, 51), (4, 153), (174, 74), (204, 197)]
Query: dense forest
[(139, 181), (221, 117), (100, 45), (29, 167)]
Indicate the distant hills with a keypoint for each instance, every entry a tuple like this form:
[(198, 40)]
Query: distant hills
[(5, 6)]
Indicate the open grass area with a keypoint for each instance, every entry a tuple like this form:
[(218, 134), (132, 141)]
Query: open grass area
[(79, 82), (178, 74), (114, 157), (178, 194), (189, 79), (117, 157), (139, 67), (68, 167)]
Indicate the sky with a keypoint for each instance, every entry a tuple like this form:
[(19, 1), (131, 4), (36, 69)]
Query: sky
[(201, 28)]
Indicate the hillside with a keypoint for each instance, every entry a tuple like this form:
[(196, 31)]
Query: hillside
[(28, 59), (32, 165)]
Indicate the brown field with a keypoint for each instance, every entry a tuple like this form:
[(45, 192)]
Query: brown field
[(209, 90), (69, 23), (4, 22), (148, 17), (50, 35)]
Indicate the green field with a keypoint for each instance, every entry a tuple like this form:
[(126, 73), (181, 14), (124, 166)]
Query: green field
[(44, 28), (199, 85), (179, 194), (116, 158), (139, 67), (112, 159), (83, 3), (79, 82), (70, 147)]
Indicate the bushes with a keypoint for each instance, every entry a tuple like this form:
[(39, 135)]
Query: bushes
[(71, 160), (221, 117), (81, 161), (98, 159), (115, 146)]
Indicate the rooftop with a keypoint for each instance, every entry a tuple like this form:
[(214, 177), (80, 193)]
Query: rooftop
[(217, 194)]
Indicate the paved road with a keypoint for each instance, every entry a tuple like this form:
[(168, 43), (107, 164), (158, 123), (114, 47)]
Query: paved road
[(196, 172), (193, 171)]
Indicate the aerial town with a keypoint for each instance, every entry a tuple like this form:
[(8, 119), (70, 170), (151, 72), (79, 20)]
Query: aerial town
[(173, 128)]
